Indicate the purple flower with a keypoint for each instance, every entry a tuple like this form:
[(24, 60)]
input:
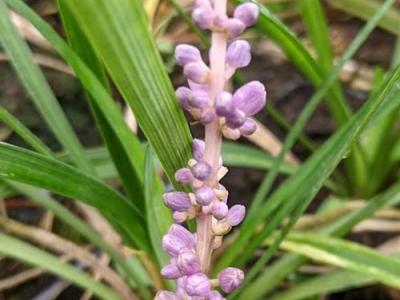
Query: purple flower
[(177, 201), (188, 263), (171, 271), (173, 244), (185, 54), (219, 210), (203, 16), (182, 233), (184, 176), (197, 72), (183, 94), (207, 117), (220, 21), (199, 99), (235, 27), (235, 118), (198, 285), (248, 128), (250, 98), (198, 148), (201, 170), (214, 295), (238, 54), (236, 215), (223, 104), (179, 216), (230, 279), (204, 195), (247, 13), (166, 295)]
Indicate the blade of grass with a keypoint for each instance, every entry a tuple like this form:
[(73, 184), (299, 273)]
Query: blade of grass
[(133, 62), (253, 219), (34, 256), (132, 181), (28, 167), (366, 8), (37, 87), (45, 200), (276, 272)]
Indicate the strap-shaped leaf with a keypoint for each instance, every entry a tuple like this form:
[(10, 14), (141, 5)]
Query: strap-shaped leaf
[(35, 169), (25, 252), (125, 45)]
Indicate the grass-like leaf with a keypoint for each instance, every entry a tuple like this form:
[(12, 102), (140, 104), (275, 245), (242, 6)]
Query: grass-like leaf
[(41, 171), (34, 256), (125, 45)]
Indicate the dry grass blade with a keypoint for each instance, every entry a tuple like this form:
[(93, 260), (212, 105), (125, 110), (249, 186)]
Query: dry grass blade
[(374, 225), (29, 32), (60, 245), (105, 260), (267, 141)]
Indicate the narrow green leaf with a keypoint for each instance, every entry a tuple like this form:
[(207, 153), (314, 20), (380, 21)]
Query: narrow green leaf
[(37, 170), (321, 163), (347, 255), (128, 172), (134, 64), (158, 215), (28, 136), (37, 87), (34, 256), (366, 8)]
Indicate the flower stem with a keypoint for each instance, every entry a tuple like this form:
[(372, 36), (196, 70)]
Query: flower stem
[(213, 138)]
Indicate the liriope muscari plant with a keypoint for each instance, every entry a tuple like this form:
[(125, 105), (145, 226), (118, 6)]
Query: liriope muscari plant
[(222, 114)]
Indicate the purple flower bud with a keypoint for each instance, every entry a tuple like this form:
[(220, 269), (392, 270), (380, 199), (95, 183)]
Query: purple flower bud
[(236, 215), (247, 13), (177, 201), (199, 99), (179, 217), (198, 285), (214, 295), (248, 128), (173, 244), (202, 3), (220, 21), (185, 54), (230, 279), (185, 235), (238, 54), (183, 94), (205, 195), (223, 104), (232, 134), (197, 72), (219, 210), (207, 117), (203, 17), (188, 263), (250, 98), (166, 295), (235, 119), (201, 170), (198, 148), (171, 271), (235, 27), (198, 86), (184, 176)]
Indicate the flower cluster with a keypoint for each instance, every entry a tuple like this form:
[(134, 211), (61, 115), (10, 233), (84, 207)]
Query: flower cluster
[(221, 113)]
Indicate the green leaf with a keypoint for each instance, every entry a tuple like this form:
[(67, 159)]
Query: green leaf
[(43, 198), (276, 272), (306, 182), (128, 172), (34, 256), (28, 167), (125, 45), (366, 8), (347, 255), (29, 137), (158, 215), (37, 87)]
